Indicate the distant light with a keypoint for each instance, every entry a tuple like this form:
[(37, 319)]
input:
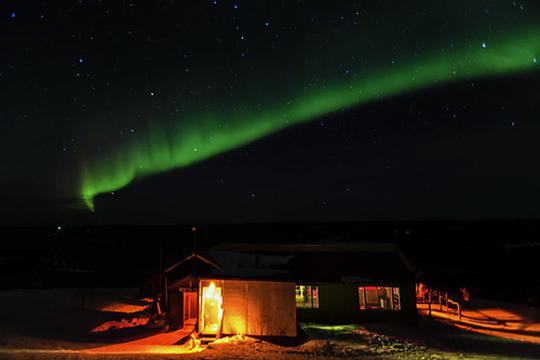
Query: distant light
[(59, 228), (13, 15), (484, 45), (152, 93), (194, 228), (81, 60), (267, 23), (535, 60)]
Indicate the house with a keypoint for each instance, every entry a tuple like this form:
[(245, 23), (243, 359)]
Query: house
[(265, 289), (227, 302)]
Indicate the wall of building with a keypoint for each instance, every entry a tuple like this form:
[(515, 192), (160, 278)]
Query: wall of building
[(338, 304), (174, 311), (259, 308)]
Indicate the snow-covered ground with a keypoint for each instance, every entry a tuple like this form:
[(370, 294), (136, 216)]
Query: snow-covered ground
[(58, 324), (504, 320)]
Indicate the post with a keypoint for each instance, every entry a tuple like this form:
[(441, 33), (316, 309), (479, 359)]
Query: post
[(161, 268), (194, 231), (429, 303), (166, 301)]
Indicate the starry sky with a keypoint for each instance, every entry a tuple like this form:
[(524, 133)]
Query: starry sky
[(252, 111)]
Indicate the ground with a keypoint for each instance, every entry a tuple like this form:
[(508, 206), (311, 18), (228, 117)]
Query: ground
[(115, 324)]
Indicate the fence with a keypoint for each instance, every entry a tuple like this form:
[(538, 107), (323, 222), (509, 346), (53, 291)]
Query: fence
[(439, 300)]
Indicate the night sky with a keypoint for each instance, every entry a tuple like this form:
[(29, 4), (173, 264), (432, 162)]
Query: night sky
[(252, 111)]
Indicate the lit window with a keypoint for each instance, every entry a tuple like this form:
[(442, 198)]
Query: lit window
[(307, 296), (379, 298)]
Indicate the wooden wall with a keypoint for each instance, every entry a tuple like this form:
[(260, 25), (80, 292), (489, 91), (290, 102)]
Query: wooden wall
[(259, 308)]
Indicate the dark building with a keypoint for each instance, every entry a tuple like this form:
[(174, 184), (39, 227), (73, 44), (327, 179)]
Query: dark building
[(264, 289)]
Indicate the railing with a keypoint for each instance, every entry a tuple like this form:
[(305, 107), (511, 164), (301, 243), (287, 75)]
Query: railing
[(436, 300)]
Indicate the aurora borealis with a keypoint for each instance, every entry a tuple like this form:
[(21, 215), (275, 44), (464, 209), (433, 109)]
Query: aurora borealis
[(203, 138), (104, 98)]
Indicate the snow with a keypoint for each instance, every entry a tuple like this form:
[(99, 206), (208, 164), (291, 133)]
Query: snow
[(57, 324), (504, 320)]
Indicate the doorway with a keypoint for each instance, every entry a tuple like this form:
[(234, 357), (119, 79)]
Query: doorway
[(211, 313), (190, 307)]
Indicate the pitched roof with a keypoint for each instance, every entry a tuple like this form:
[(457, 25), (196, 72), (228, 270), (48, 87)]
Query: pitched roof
[(193, 257), (341, 262)]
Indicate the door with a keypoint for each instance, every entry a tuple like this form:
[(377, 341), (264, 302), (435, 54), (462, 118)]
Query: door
[(190, 310), (211, 313)]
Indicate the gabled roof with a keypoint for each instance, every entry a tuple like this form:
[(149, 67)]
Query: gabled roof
[(193, 257), (251, 265), (323, 262)]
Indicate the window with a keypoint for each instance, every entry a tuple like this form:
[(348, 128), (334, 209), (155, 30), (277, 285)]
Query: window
[(307, 296), (379, 298)]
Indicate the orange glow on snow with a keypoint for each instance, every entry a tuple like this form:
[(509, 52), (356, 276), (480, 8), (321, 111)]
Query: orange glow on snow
[(492, 321), (124, 308), (163, 343), (121, 324)]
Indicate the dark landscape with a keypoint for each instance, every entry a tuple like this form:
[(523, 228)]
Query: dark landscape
[(270, 179)]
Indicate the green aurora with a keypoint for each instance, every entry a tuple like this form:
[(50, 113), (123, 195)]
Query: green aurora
[(201, 135)]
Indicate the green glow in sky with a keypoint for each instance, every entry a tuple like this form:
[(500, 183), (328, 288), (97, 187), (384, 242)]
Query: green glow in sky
[(200, 136)]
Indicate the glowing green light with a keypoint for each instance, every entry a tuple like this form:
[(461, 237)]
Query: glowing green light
[(202, 135)]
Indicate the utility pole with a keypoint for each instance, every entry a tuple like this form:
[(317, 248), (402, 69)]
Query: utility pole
[(160, 267), (194, 231)]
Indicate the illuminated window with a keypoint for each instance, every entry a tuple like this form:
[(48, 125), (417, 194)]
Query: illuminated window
[(307, 296), (379, 298)]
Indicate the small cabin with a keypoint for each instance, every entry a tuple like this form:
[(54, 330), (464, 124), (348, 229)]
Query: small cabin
[(222, 303), (265, 289)]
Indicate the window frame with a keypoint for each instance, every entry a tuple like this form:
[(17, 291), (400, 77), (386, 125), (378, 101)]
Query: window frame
[(393, 291), (311, 303)]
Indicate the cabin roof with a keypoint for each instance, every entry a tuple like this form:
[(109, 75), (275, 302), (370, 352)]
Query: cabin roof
[(193, 257), (343, 262)]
